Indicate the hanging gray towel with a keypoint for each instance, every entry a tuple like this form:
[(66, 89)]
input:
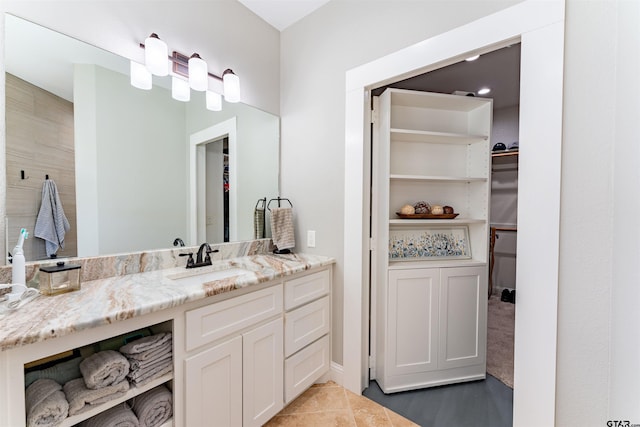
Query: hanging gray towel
[(282, 228), (51, 224)]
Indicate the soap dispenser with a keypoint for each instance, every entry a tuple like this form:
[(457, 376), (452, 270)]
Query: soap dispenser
[(18, 262)]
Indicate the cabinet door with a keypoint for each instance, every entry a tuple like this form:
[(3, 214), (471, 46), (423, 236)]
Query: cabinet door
[(263, 373), (213, 384), (463, 317), (412, 321)]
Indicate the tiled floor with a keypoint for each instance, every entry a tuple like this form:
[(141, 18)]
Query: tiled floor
[(328, 404)]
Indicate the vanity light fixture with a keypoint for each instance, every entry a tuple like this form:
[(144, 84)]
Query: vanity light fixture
[(180, 90), (140, 76), (484, 91), (193, 68), (214, 101), (156, 54), (231, 84), (472, 58), (198, 74)]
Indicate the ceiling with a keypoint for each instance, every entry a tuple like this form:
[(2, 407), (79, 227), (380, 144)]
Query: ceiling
[(498, 70), (282, 13)]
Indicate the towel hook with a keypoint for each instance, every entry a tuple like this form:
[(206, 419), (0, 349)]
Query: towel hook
[(22, 175)]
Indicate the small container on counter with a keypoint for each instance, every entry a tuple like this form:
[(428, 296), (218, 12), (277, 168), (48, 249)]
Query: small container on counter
[(60, 278)]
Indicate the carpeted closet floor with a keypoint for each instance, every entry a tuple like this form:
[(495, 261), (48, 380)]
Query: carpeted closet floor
[(500, 327)]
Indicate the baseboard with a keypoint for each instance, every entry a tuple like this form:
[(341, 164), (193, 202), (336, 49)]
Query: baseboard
[(335, 374)]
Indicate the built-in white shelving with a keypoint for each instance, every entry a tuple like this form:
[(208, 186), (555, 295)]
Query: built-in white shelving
[(133, 392), (430, 295)]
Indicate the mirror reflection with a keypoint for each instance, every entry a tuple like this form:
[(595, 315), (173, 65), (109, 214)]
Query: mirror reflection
[(133, 169)]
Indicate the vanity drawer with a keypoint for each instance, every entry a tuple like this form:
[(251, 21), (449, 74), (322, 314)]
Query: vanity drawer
[(212, 322), (305, 367), (306, 324), (304, 289)]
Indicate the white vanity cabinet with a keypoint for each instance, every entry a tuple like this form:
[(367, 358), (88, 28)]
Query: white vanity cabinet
[(307, 323), (230, 366), (238, 379), (429, 273)]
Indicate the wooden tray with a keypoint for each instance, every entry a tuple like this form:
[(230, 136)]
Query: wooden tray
[(427, 216)]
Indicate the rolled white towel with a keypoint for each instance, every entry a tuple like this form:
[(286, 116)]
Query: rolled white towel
[(154, 407), (81, 398), (118, 416), (45, 403), (104, 368)]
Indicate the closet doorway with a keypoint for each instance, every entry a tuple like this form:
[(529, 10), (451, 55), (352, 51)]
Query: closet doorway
[(539, 26), (498, 71), (212, 184)]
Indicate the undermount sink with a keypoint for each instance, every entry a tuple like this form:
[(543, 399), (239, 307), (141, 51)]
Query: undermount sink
[(206, 276)]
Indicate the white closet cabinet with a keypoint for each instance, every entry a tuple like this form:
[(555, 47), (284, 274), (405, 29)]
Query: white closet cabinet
[(430, 291)]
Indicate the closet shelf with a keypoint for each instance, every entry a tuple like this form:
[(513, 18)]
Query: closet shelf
[(458, 221), (133, 391), (504, 154), (435, 263), (426, 178), (410, 135)]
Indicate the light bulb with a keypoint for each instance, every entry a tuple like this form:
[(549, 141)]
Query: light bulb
[(180, 90), (140, 76), (155, 55), (472, 58), (231, 84), (484, 91), (198, 74), (214, 101)]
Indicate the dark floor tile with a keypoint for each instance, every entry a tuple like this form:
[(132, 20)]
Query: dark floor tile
[(487, 403)]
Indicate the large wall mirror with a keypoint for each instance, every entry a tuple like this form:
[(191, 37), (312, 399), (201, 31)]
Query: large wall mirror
[(121, 157)]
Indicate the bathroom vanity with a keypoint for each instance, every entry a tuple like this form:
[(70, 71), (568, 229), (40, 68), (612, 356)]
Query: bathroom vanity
[(249, 335)]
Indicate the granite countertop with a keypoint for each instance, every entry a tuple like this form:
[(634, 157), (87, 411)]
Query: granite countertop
[(105, 301)]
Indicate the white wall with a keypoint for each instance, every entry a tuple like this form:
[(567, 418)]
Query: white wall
[(143, 132), (624, 382), (598, 346)]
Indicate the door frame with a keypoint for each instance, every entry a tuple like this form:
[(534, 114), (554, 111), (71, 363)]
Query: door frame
[(539, 27), (197, 175)]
